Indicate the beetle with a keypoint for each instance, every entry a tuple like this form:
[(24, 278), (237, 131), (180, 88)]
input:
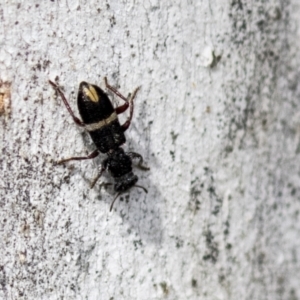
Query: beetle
[(100, 119)]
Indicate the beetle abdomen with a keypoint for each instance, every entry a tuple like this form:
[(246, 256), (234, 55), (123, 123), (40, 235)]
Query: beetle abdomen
[(99, 117)]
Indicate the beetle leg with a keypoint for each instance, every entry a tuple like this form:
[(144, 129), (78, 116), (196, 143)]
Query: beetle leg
[(134, 155), (122, 108), (102, 169), (114, 90), (128, 121), (127, 103), (64, 99), (90, 156), (105, 184)]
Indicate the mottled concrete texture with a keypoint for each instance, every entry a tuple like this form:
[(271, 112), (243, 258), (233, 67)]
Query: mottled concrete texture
[(217, 119)]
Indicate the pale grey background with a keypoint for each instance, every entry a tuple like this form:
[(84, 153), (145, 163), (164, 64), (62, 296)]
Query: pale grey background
[(222, 138)]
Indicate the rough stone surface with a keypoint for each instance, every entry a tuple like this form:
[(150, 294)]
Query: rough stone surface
[(217, 119)]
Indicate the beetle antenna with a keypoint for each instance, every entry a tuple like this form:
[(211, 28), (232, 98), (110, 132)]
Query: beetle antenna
[(138, 186), (112, 204), (141, 187)]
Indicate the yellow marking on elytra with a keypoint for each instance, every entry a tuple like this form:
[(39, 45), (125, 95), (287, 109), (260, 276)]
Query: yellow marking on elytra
[(100, 124), (91, 93)]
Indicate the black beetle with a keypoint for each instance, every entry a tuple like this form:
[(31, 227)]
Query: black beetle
[(100, 119)]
